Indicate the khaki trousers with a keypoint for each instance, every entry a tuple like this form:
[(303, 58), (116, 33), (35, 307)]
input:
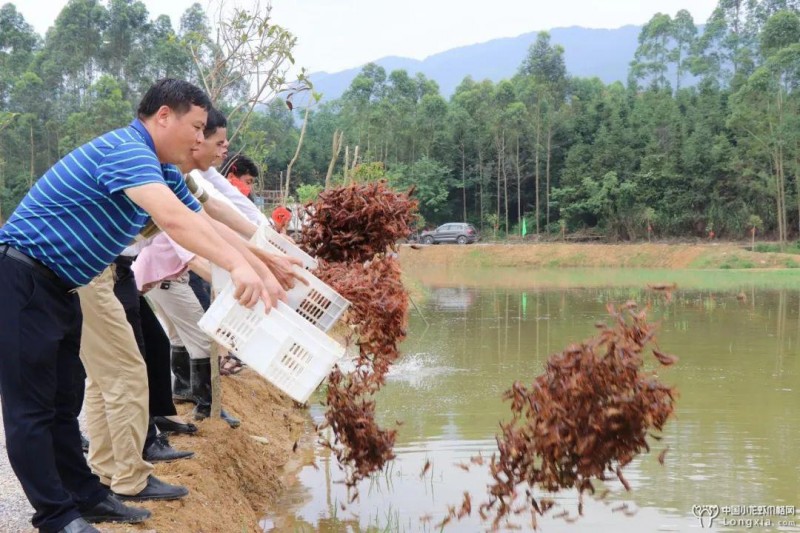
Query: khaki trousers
[(178, 310), (117, 399)]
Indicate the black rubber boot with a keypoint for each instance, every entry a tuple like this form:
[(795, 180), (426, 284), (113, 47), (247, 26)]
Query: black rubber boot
[(181, 386), (201, 389), (160, 451)]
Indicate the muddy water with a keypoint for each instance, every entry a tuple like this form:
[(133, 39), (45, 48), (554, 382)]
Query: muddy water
[(735, 442)]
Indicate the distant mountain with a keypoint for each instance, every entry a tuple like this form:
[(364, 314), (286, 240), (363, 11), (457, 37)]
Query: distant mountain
[(587, 53)]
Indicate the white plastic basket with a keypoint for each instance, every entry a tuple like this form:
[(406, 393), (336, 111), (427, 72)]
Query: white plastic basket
[(265, 234), (281, 346), (316, 302)]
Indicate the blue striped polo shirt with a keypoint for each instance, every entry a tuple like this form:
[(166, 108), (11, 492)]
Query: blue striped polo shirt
[(77, 218)]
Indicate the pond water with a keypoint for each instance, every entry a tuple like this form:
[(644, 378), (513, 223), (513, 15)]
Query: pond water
[(735, 442)]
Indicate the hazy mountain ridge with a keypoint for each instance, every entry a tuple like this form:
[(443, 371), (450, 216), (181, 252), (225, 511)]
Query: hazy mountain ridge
[(604, 53)]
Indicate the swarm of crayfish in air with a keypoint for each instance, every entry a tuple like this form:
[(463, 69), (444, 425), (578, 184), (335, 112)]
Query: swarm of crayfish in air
[(353, 223), (351, 231), (586, 417)]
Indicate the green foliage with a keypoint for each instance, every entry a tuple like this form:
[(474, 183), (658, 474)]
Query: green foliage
[(367, 172), (432, 182), (308, 193), (107, 110), (754, 221)]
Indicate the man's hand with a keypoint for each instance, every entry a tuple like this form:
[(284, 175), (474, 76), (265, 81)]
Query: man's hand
[(273, 287), (250, 287), (282, 267)]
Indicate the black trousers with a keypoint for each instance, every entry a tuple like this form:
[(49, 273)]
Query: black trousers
[(153, 342), (41, 388), (201, 289)]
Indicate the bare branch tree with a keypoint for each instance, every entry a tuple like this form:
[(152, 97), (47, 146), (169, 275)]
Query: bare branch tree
[(247, 63), (296, 152)]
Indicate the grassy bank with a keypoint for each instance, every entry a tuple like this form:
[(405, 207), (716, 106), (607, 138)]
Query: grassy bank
[(560, 255)]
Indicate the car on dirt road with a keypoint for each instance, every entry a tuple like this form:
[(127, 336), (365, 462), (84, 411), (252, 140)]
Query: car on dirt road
[(457, 232)]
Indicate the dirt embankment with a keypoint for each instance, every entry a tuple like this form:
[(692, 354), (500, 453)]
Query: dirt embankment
[(560, 255), (233, 478)]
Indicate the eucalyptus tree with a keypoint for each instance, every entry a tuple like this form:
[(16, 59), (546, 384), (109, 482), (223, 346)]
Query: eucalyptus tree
[(73, 49), (725, 50), (475, 101), (542, 85), (361, 107), (651, 60), (684, 35), (766, 108), (18, 43)]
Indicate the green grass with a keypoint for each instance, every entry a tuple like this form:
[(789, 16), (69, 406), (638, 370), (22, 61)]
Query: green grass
[(728, 262), (771, 247), (734, 262), (731, 278), (478, 255)]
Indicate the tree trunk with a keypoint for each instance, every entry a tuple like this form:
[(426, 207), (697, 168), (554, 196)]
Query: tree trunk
[(216, 381), (797, 186), (778, 197), (505, 182), (519, 188), (499, 177), (480, 186), (296, 153), (336, 148), (345, 170), (464, 179), (536, 162), (355, 162), (782, 178), (547, 171), (33, 158)]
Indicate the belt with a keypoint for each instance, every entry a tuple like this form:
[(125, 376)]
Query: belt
[(16, 255)]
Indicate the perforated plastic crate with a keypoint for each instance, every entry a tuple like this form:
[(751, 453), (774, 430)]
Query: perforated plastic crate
[(265, 234), (316, 302), (281, 346)]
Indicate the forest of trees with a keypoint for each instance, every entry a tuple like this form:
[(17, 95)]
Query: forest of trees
[(704, 136)]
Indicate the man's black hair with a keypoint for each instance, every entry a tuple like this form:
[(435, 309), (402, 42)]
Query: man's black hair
[(214, 121), (240, 165), (178, 95)]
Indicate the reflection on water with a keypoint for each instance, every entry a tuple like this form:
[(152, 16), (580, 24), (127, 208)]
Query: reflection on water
[(734, 441)]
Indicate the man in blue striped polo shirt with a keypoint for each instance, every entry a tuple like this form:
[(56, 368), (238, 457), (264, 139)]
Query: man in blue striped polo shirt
[(75, 220)]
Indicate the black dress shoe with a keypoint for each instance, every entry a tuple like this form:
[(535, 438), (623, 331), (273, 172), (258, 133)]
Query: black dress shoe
[(161, 452), (166, 425), (113, 510), (156, 490), (79, 525)]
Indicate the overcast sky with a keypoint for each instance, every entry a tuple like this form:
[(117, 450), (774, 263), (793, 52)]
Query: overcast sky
[(337, 34)]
